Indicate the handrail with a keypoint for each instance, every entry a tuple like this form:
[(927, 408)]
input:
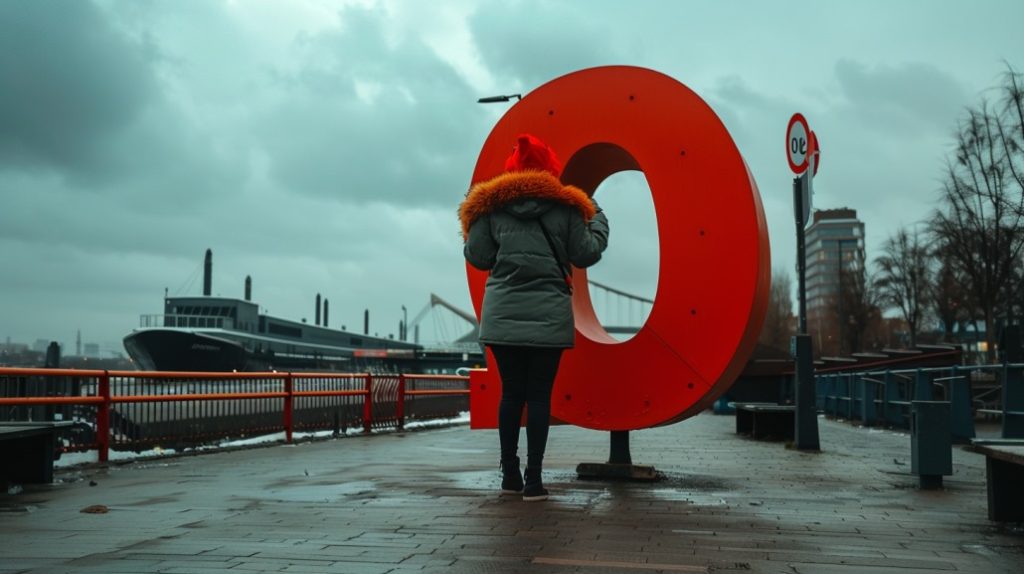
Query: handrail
[(890, 361), (903, 373), (969, 368), (34, 371), (419, 377), (886, 396), (105, 398), (210, 375), (18, 401), (121, 399)]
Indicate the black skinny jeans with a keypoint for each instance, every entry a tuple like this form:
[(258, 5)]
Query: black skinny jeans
[(527, 375)]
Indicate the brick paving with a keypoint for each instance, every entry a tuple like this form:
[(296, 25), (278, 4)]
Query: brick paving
[(427, 502)]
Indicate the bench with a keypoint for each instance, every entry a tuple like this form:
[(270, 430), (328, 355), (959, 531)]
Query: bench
[(1013, 427), (1004, 469), (765, 420), (28, 449)]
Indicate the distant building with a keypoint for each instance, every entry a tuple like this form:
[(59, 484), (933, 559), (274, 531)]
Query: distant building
[(92, 349), (833, 242), (10, 347), (40, 345)]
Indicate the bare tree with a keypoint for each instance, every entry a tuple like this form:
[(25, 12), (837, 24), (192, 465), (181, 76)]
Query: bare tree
[(981, 218), (857, 307), (949, 297), (778, 321), (1011, 128), (904, 278)]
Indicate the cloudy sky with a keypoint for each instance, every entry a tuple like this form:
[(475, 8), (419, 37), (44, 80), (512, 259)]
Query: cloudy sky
[(323, 146)]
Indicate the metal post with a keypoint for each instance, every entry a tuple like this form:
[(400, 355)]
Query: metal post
[(368, 404), (851, 394), (923, 386), (801, 260), (620, 448), (961, 409), (869, 392), (805, 432), (930, 442), (824, 391), (1013, 401), (288, 408), (400, 406), (103, 418), (890, 392), (840, 316)]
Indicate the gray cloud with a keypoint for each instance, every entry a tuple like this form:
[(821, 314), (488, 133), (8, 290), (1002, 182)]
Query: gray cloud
[(324, 147), (534, 41), (369, 119), (913, 95), (71, 81)]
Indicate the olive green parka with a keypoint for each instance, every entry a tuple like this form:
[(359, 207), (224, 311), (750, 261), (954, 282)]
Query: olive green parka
[(526, 301)]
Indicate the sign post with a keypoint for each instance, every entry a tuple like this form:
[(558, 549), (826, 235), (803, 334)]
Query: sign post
[(803, 153)]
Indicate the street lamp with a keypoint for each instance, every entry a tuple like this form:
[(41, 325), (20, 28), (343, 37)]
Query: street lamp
[(499, 99)]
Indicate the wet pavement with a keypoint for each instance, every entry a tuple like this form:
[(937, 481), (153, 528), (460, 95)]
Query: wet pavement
[(428, 502)]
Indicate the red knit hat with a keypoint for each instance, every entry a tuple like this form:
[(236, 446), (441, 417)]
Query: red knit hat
[(531, 153)]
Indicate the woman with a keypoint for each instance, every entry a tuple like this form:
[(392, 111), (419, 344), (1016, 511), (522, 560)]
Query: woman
[(525, 227)]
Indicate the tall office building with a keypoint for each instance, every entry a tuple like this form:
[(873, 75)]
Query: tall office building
[(834, 241)]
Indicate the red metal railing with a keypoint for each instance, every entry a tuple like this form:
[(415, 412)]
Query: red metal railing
[(384, 399)]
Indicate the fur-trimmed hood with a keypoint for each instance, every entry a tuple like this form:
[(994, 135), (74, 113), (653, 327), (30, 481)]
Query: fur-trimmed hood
[(499, 191)]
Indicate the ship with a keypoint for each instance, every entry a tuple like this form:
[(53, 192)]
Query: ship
[(223, 334)]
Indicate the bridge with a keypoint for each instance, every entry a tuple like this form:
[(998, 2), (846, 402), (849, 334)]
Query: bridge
[(620, 312), (445, 325)]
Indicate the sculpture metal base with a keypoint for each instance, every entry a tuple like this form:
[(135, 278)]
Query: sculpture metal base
[(620, 464), (608, 471)]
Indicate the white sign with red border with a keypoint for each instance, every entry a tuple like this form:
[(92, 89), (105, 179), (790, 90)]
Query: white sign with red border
[(815, 153), (799, 146)]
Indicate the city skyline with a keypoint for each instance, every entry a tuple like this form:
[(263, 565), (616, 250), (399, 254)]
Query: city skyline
[(322, 147)]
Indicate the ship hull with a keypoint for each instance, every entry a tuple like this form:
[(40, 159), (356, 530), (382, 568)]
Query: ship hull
[(173, 350)]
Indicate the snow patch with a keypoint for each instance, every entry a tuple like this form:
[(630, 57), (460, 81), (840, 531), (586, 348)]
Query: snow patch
[(70, 459)]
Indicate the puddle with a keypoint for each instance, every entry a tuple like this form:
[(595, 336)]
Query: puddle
[(319, 492), (16, 508), (978, 549), (453, 450)]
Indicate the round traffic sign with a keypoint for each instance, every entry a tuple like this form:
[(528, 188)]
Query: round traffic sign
[(798, 143), (816, 147)]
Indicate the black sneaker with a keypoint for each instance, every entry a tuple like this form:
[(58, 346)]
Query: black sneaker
[(534, 490), (511, 478)]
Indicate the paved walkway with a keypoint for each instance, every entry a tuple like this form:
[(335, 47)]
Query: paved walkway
[(427, 502)]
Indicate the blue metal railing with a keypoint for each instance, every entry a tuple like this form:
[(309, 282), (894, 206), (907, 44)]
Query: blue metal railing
[(884, 396)]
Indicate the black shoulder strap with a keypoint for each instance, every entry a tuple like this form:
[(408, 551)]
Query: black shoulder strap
[(565, 269)]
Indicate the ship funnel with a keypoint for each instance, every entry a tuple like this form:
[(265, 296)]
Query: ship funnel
[(317, 308), (325, 311), (207, 273), (248, 288)]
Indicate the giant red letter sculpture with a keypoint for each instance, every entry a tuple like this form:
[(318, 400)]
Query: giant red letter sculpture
[(714, 268)]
